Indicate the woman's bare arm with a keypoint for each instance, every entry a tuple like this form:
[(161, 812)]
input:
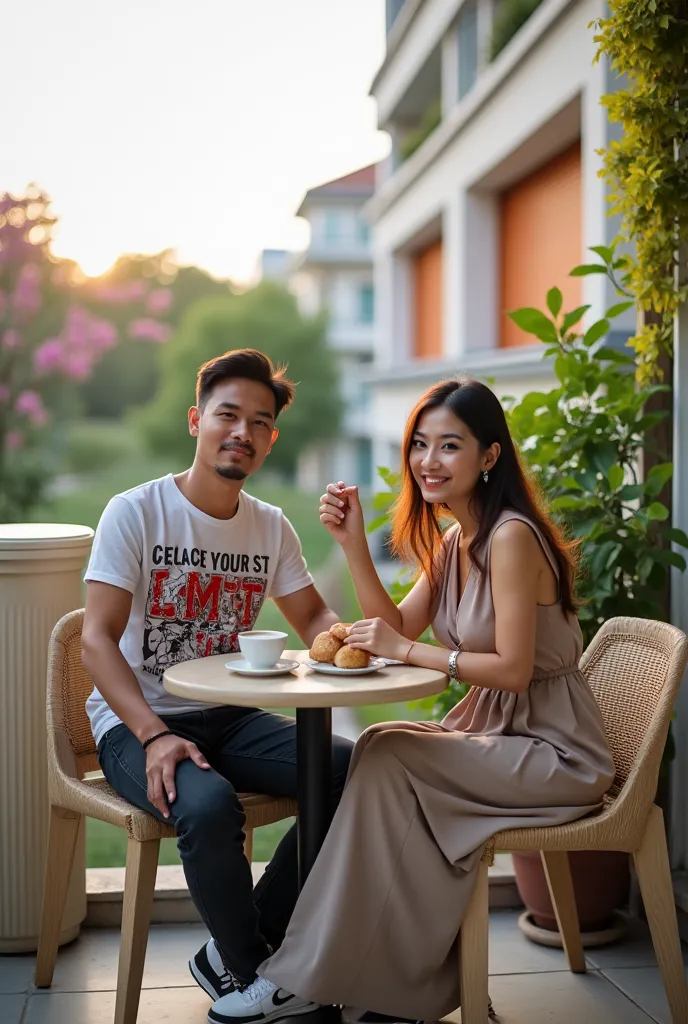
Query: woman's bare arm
[(517, 564)]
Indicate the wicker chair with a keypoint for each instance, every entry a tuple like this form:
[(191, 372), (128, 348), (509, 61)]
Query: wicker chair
[(635, 668), (71, 754)]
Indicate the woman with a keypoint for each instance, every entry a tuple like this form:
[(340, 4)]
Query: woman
[(377, 923)]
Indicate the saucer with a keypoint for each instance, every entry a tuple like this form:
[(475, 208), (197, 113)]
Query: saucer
[(238, 664), (320, 666)]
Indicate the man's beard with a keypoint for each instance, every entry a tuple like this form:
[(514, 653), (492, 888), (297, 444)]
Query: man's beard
[(231, 472)]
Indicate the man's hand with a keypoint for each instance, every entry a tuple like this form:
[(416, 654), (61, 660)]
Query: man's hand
[(162, 758)]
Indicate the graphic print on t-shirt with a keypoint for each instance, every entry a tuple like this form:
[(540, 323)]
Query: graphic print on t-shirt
[(192, 613)]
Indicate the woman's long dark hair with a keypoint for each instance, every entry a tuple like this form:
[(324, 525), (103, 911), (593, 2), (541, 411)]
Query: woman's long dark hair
[(416, 529)]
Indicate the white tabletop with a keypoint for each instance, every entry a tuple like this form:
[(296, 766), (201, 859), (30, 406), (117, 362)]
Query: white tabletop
[(207, 680)]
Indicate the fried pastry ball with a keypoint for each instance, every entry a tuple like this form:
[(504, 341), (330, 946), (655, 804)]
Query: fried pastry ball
[(351, 657), (324, 648), (340, 630)]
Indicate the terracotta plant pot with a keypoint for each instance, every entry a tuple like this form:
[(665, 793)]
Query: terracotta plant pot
[(601, 882)]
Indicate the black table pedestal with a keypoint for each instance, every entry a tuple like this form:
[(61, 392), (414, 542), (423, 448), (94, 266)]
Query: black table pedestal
[(314, 783)]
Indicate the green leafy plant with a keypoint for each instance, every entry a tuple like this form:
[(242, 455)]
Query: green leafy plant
[(510, 17), (646, 41), (583, 442), (415, 137)]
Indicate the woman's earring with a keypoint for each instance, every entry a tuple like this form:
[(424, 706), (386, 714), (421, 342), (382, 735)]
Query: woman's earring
[(485, 476)]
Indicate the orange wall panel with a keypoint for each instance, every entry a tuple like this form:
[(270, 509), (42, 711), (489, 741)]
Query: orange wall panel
[(427, 302), (541, 240)]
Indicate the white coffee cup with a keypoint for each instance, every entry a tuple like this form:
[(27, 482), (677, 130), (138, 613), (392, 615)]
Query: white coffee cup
[(262, 648)]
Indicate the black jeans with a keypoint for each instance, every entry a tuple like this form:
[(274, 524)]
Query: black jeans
[(250, 751)]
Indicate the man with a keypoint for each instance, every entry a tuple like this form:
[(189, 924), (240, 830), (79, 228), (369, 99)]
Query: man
[(179, 567)]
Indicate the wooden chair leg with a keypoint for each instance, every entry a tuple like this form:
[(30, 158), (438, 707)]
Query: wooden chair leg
[(473, 966), (62, 835), (248, 845), (560, 884), (654, 876), (139, 889)]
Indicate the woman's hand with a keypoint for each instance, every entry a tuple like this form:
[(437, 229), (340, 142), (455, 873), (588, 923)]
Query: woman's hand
[(341, 513), (377, 637)]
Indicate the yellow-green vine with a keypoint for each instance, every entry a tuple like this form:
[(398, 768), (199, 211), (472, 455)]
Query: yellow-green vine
[(647, 169)]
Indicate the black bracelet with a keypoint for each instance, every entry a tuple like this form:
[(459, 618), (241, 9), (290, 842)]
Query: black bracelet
[(152, 739)]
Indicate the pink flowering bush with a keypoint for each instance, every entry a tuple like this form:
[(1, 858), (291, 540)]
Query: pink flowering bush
[(53, 332)]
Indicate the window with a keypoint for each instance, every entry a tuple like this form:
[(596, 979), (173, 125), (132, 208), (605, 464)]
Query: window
[(363, 231), (364, 462), (427, 302), (540, 239), (366, 304), (332, 225), (393, 7), (467, 30)]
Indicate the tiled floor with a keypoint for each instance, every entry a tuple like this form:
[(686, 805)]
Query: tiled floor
[(529, 984)]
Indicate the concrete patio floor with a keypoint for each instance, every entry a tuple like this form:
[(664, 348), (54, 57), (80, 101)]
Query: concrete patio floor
[(529, 984)]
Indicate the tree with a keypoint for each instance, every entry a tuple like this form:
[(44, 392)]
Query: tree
[(128, 375), (52, 335), (267, 318)]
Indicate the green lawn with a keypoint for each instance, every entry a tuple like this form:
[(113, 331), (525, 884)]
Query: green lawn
[(106, 846), (105, 458)]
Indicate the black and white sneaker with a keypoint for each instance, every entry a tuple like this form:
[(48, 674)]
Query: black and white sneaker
[(210, 972), (261, 1001)]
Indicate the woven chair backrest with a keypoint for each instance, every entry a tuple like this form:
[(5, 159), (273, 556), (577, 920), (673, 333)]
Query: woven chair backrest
[(635, 667)]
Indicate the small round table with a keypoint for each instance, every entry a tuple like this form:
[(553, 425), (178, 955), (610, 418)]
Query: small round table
[(313, 694)]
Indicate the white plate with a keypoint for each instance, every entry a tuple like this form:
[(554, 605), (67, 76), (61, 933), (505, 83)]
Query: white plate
[(239, 665), (320, 666)]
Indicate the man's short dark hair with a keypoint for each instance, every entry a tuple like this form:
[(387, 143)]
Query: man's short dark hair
[(249, 364)]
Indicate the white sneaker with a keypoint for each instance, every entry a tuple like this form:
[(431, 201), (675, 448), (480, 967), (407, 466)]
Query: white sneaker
[(261, 1001), (209, 971)]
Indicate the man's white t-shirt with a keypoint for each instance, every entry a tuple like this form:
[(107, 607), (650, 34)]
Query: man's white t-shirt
[(196, 582)]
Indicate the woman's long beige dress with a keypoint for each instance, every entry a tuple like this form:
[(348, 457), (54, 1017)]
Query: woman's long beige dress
[(377, 923)]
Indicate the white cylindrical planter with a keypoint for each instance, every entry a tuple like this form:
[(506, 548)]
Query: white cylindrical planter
[(41, 569)]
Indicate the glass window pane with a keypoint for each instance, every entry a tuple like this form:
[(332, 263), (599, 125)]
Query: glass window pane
[(363, 231), (366, 304), (468, 47), (331, 225)]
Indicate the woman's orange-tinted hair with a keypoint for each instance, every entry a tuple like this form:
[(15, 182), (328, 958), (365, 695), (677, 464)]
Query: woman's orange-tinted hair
[(416, 527)]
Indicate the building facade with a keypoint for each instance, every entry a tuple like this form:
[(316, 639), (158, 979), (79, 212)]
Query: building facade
[(335, 275), (489, 197)]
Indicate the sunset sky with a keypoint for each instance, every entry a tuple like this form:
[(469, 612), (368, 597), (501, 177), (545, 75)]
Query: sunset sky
[(195, 125)]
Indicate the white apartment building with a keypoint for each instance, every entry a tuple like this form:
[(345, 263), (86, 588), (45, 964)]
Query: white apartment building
[(335, 274), (484, 214), (494, 206)]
